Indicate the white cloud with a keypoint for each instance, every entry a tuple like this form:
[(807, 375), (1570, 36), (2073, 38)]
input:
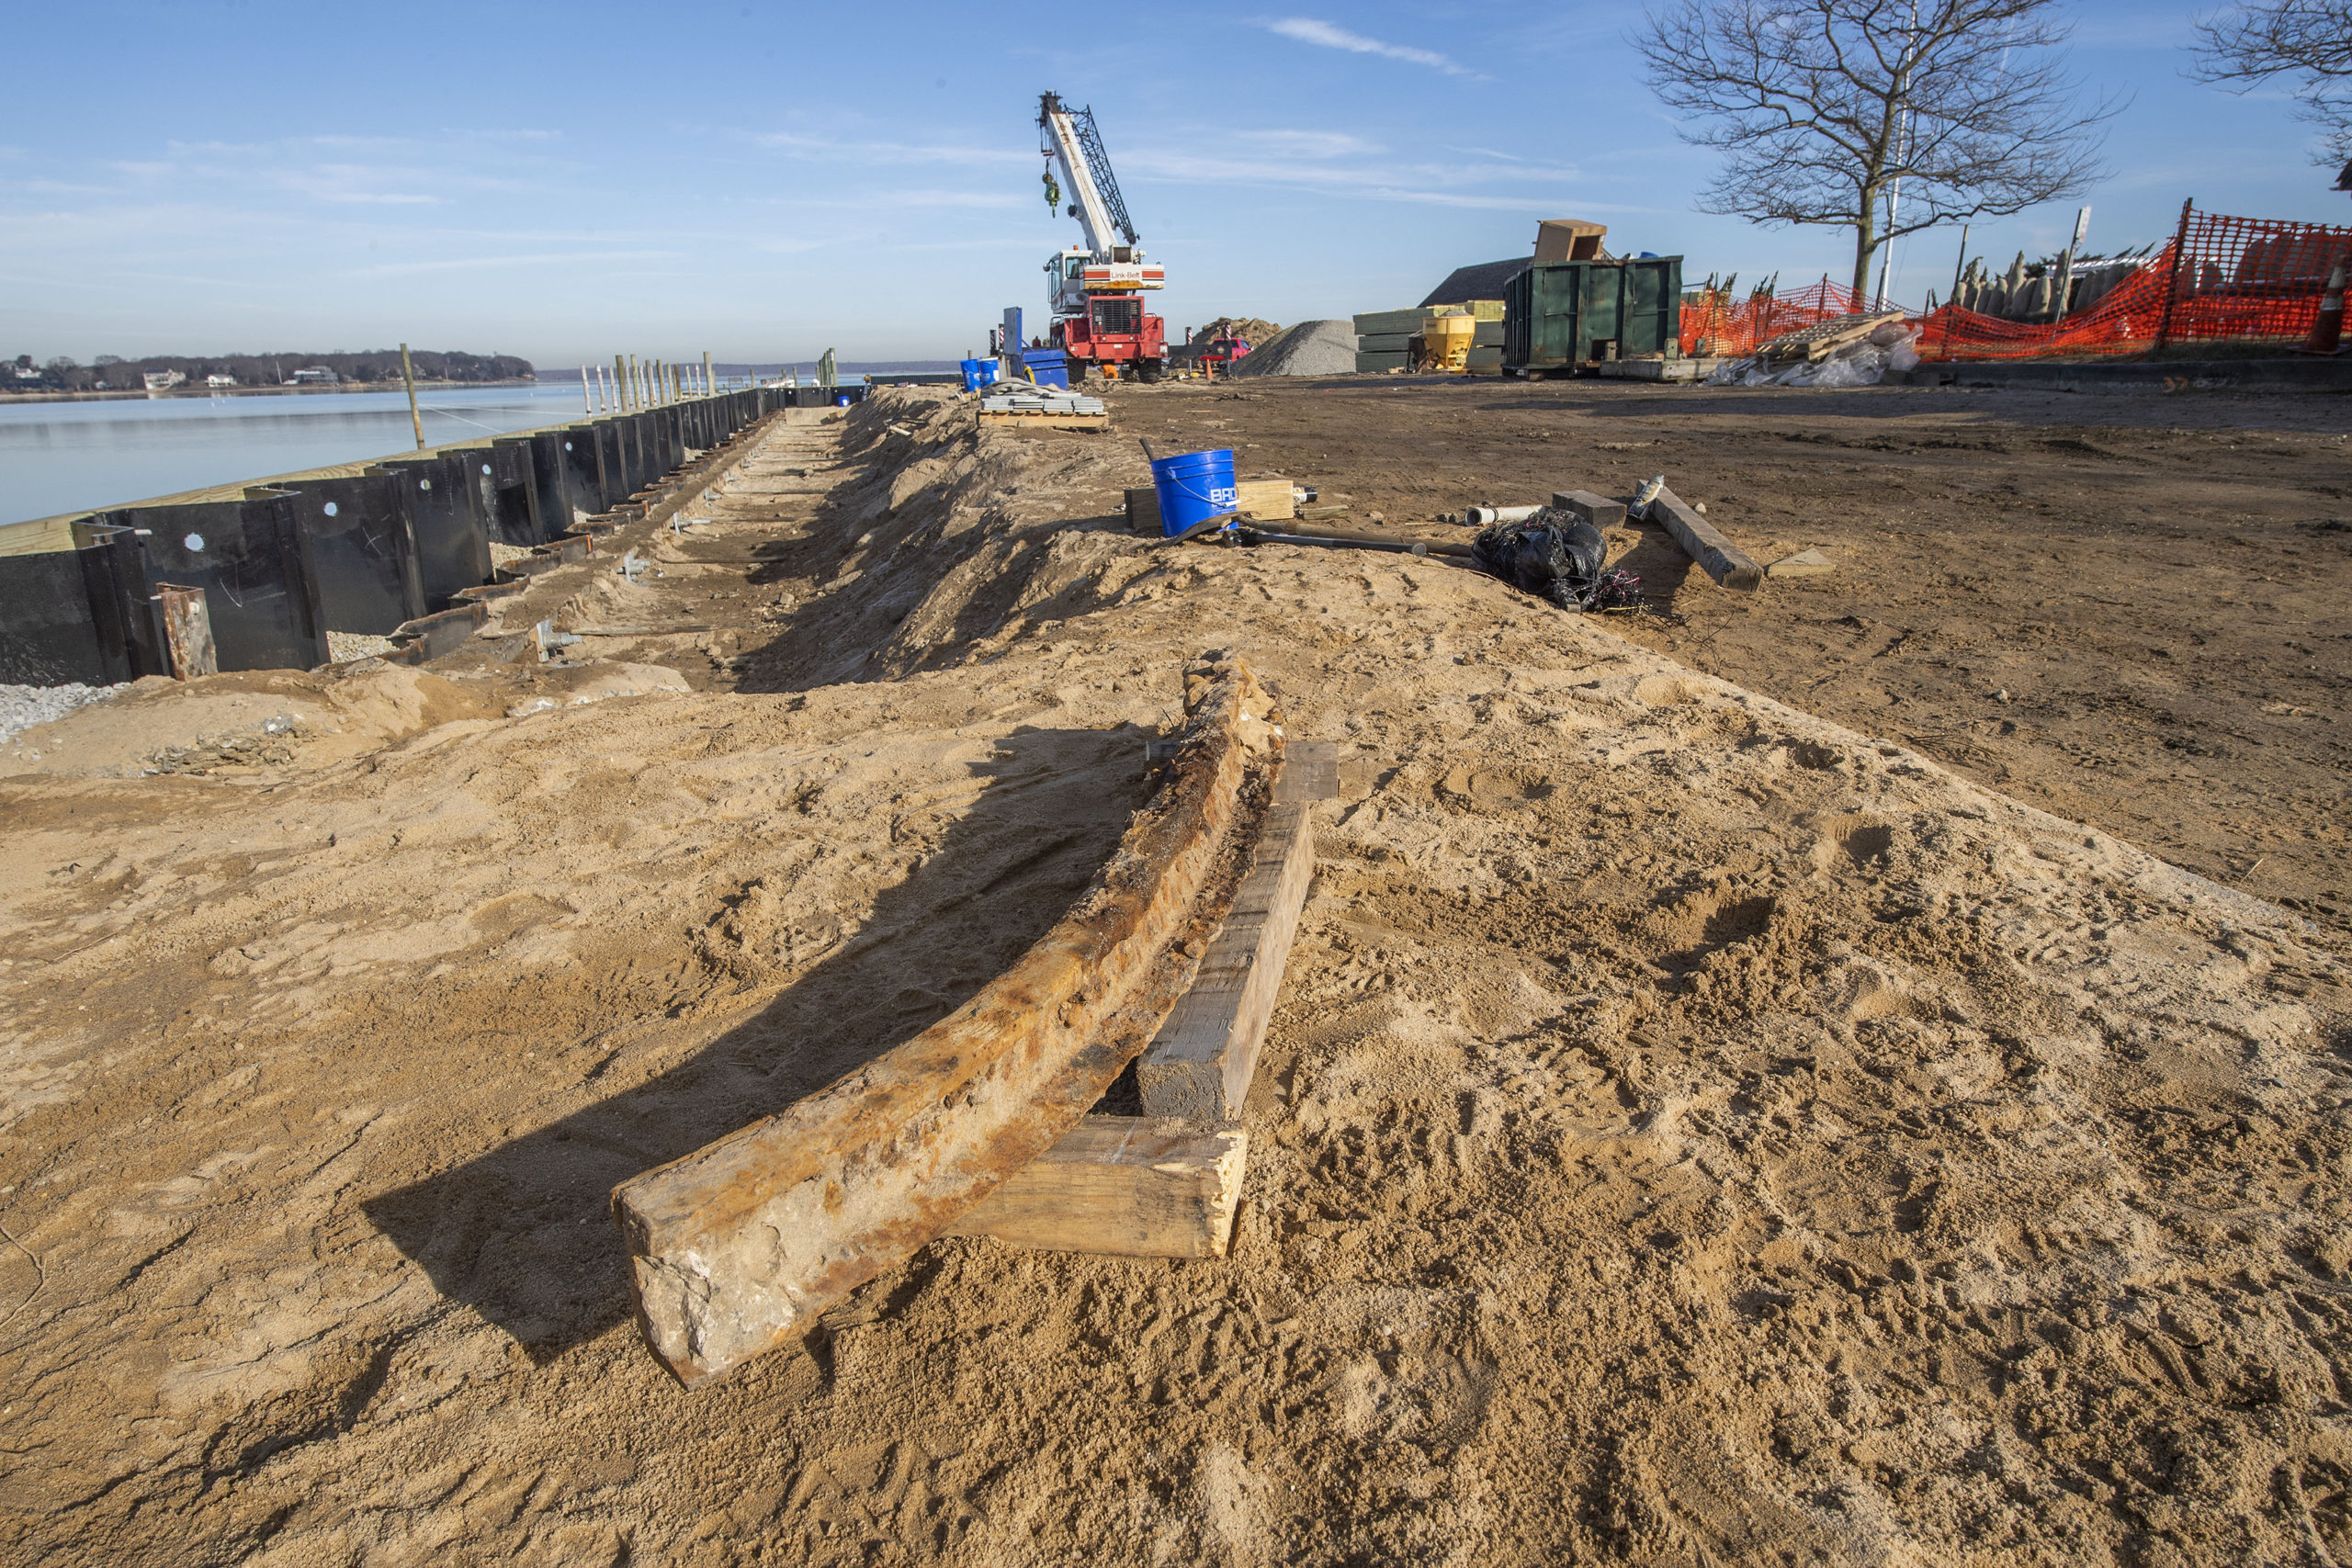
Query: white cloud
[(544, 258), (885, 152), (1335, 164), (1306, 29), (1311, 143)]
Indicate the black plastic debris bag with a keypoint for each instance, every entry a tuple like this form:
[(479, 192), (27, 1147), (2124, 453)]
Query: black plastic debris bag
[(1556, 555)]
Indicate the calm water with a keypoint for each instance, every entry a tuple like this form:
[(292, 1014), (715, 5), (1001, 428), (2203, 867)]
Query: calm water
[(59, 458)]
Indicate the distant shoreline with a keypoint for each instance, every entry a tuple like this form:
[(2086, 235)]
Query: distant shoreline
[(111, 395)]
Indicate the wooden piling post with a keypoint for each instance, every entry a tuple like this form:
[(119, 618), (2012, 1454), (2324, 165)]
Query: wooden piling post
[(707, 389), (408, 379), (2172, 279), (587, 403)]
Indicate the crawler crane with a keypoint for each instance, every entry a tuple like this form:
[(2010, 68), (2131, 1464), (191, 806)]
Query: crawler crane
[(1096, 290)]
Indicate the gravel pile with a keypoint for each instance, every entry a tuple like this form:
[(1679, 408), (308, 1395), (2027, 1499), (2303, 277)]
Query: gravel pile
[(1310, 348), (344, 646), (21, 707)]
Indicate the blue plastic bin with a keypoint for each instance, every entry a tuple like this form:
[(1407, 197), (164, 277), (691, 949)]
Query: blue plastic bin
[(1193, 487), (979, 373), (1047, 367)]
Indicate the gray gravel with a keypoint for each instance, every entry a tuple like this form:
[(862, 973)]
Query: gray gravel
[(21, 707), (1310, 348)]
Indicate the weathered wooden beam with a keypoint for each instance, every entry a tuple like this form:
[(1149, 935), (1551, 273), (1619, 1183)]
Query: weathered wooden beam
[(1718, 557), (1310, 773), (1597, 510), (1264, 501), (1143, 510), (738, 1246), (1205, 1054), (1128, 1186)]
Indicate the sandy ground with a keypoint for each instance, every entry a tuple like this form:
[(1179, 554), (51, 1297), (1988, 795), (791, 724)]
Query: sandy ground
[(1694, 1130)]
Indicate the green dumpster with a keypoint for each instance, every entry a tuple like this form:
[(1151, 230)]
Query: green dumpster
[(1582, 312)]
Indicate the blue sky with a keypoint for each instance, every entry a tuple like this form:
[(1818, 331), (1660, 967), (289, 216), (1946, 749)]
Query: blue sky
[(765, 181)]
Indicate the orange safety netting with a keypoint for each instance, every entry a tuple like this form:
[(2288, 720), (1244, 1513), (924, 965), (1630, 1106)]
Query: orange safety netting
[(1714, 327), (2221, 280)]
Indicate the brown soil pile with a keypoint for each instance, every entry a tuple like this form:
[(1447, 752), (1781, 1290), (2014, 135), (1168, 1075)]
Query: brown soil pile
[(1692, 1131), (1250, 329)]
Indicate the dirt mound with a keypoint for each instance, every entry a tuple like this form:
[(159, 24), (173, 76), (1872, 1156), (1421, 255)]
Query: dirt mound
[(1310, 348), (1250, 329), (1690, 1130), (245, 721)]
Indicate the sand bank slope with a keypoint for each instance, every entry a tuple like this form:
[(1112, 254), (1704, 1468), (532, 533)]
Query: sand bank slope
[(1691, 1132)]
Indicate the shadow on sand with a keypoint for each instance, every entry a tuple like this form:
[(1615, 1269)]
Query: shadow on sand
[(521, 1233)]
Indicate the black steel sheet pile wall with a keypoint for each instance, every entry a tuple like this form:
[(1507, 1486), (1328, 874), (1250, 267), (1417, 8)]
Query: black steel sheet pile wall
[(361, 551), (552, 475), (50, 630), (590, 456), (251, 558), (282, 567), (510, 500), (452, 545)]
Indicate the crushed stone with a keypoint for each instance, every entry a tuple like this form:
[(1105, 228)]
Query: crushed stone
[(21, 707), (1310, 348)]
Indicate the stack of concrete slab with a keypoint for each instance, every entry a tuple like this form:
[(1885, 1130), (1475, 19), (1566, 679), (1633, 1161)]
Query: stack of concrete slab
[(1486, 343), (1384, 338), (1040, 403)]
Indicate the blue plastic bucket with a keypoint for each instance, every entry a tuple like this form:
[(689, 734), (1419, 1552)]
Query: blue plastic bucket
[(1194, 488), (979, 373)]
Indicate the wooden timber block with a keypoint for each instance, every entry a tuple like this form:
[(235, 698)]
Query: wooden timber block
[(1265, 499), (1143, 510), (1310, 773), (1597, 510), (1128, 1186), (1035, 422), (1199, 1063), (1718, 557)]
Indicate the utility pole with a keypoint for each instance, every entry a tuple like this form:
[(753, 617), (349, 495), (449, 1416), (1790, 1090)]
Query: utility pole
[(1894, 192), (408, 379)]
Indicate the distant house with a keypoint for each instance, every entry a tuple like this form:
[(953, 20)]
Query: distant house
[(165, 380), (219, 380), (316, 375)]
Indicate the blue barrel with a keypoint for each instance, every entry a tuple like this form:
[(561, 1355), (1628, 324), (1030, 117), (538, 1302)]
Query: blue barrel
[(1194, 488), (979, 373)]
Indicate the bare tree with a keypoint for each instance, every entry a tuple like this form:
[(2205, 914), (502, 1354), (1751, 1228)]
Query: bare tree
[(2307, 41), (1828, 110)]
